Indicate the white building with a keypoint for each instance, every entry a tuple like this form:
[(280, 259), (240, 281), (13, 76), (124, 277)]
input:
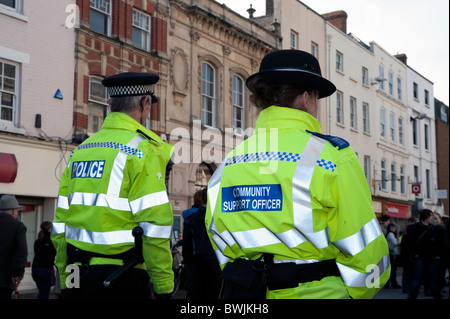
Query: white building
[(423, 165), (36, 90)]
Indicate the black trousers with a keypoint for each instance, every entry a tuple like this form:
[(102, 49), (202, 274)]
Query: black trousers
[(133, 284)]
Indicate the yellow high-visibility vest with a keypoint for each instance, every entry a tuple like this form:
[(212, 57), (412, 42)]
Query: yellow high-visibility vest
[(115, 181), (302, 196)]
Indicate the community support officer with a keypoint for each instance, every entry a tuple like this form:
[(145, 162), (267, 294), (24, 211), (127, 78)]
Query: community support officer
[(115, 181), (289, 206)]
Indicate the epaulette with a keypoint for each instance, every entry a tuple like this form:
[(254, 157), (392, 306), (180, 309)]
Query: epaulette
[(146, 136), (334, 140)]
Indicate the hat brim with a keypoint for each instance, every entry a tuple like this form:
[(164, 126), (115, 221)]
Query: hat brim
[(325, 87)]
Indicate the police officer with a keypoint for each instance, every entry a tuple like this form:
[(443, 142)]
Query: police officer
[(115, 181), (289, 209)]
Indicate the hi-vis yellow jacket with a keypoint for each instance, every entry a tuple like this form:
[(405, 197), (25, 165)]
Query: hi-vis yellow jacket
[(303, 197), (115, 181)]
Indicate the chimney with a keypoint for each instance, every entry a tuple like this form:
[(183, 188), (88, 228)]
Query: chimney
[(402, 57), (338, 19)]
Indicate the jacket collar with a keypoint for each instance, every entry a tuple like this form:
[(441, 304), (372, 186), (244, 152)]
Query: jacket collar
[(287, 118), (122, 121)]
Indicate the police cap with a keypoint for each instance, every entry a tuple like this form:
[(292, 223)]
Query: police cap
[(130, 84)]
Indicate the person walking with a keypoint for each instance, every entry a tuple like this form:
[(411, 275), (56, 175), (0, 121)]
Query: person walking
[(13, 246), (112, 191), (289, 210), (425, 246), (394, 254), (44, 258)]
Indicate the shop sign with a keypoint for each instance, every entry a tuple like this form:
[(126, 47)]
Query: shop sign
[(397, 210)]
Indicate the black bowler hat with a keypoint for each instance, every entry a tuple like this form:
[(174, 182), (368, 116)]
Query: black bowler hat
[(292, 67), (131, 84)]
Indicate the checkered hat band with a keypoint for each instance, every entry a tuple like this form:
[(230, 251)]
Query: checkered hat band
[(276, 156), (130, 90)]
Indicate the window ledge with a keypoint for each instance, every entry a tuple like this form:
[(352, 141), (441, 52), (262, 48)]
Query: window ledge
[(13, 14), (11, 129)]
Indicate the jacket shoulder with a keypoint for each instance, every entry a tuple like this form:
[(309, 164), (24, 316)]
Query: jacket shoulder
[(336, 141)]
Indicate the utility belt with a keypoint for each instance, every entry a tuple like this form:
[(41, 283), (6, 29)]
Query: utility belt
[(82, 257), (249, 279), (129, 259)]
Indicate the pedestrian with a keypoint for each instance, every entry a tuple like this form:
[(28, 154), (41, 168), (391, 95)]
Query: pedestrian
[(391, 238), (203, 276), (404, 258), (44, 258), (289, 209), (13, 246), (385, 222), (425, 245), (115, 181)]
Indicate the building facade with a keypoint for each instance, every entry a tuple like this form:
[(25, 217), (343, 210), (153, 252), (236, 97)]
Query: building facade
[(36, 96), (422, 138), (211, 50), (442, 154)]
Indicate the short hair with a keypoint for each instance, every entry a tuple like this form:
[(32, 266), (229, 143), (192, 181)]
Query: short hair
[(267, 94), (198, 198), (424, 214), (385, 218), (125, 103)]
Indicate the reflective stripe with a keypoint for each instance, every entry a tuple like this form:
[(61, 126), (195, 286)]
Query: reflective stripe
[(99, 238), (149, 201), (291, 238), (156, 231), (353, 278), (221, 257), (100, 200), (62, 202), (303, 217), (116, 236), (354, 244), (58, 228), (255, 238), (115, 181), (213, 193)]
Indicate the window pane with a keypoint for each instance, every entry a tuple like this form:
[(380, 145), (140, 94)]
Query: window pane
[(9, 3), (98, 22)]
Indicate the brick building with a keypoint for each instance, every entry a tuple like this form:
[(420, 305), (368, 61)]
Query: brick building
[(442, 154), (117, 36)]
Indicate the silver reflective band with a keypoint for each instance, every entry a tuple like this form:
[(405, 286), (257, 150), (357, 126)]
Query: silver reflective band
[(99, 238), (353, 278), (221, 257), (100, 200), (357, 242), (116, 236), (156, 231), (62, 202), (115, 181), (255, 238), (58, 228), (148, 201), (301, 198)]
